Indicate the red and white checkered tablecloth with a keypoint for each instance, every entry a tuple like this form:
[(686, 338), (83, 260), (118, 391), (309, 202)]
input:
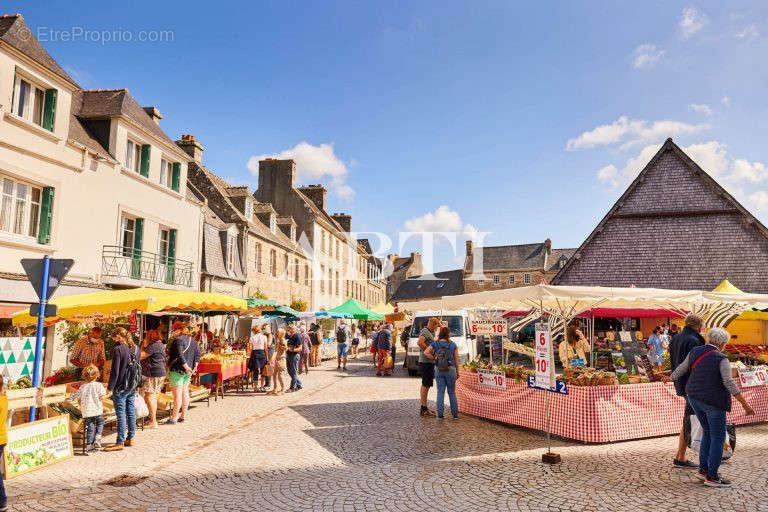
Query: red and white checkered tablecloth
[(595, 414)]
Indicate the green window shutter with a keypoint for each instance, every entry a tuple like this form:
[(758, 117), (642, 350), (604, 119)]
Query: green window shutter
[(176, 177), (46, 216), (49, 109), (171, 263), (144, 167), (138, 237)]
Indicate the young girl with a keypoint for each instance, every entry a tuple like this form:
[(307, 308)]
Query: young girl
[(3, 440), (89, 395), (277, 361)]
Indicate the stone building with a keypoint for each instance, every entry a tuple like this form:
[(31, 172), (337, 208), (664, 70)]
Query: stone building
[(441, 284), (338, 268), (265, 242), (401, 268), (511, 266), (674, 227), (370, 277)]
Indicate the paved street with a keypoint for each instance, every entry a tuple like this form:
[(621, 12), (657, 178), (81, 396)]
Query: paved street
[(356, 442)]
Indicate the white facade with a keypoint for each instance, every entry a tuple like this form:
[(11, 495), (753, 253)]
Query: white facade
[(92, 191)]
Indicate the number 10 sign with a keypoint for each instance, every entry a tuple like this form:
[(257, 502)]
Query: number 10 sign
[(543, 357)]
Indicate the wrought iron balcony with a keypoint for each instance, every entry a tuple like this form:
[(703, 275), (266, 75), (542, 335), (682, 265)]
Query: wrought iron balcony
[(129, 263)]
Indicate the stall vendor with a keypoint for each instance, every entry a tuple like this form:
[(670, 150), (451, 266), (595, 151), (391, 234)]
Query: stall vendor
[(208, 334), (88, 350), (575, 346)]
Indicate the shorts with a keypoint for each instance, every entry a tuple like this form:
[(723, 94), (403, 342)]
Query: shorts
[(342, 349), (427, 374), (153, 385), (179, 379), (355, 341)]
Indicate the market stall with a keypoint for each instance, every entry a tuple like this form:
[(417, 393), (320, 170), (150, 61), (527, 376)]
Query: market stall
[(625, 401)]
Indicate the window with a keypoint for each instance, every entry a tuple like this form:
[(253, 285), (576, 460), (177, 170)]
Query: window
[(296, 271), (166, 173), (293, 233), (322, 278), (496, 279), (306, 274), (337, 249), (330, 282), (20, 208), (248, 208), (128, 235), (286, 266), (133, 156), (272, 222), (273, 263), (34, 103), (323, 246), (163, 245), (338, 288), (511, 280), (230, 253), (440, 284), (526, 278), (258, 257)]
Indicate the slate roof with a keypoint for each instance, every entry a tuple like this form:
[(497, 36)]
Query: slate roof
[(674, 227), (15, 32), (400, 263), (517, 257), (553, 260), (107, 103), (450, 282), (80, 134)]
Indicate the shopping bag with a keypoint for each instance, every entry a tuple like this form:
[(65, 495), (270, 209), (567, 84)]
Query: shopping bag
[(267, 370), (389, 362), (141, 406), (697, 433)]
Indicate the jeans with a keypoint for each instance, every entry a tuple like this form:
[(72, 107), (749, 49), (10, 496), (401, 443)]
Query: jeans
[(125, 411), (94, 426), (3, 496), (446, 381), (712, 422), (292, 362)]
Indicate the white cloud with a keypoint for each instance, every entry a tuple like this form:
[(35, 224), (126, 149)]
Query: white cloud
[(749, 33), (701, 108), (313, 164), (740, 177), (646, 55), (442, 219), (691, 21), (726, 101), (631, 132)]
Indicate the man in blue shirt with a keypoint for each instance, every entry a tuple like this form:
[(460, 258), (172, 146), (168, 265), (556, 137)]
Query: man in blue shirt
[(384, 345), (292, 356)]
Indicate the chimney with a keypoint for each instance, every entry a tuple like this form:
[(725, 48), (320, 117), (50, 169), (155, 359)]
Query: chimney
[(344, 220), (470, 247), (191, 147), (154, 114), (316, 193), (548, 246), (415, 268), (276, 180)]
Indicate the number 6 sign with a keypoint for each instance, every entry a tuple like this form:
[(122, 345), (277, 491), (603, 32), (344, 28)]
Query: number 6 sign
[(543, 357)]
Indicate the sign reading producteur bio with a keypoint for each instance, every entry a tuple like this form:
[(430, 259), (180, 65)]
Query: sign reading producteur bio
[(487, 327), (545, 373), (492, 379), (753, 377), (38, 444)]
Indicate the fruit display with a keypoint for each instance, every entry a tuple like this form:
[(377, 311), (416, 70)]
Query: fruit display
[(756, 352), (521, 349), (61, 376), (22, 383)]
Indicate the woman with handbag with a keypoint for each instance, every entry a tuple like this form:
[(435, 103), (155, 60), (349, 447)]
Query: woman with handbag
[(259, 342), (184, 355)]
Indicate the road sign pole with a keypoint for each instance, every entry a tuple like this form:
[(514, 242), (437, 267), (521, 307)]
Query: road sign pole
[(39, 335)]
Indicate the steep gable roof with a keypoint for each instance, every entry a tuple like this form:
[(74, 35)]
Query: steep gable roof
[(15, 32), (509, 257), (450, 282), (674, 227)]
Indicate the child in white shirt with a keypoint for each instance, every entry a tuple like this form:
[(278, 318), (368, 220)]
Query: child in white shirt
[(89, 395)]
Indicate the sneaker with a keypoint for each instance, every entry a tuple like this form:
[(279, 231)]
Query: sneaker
[(128, 442), (684, 464), (97, 444), (440, 416), (169, 422), (89, 448), (344, 369), (427, 412), (114, 447), (180, 420), (717, 482), (701, 475), (456, 417)]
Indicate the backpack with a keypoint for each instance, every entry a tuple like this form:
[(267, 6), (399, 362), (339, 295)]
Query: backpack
[(132, 379), (443, 357), (341, 335)]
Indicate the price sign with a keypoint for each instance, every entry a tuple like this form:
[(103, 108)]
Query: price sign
[(543, 360), (753, 377), (488, 327), (560, 388), (492, 379)]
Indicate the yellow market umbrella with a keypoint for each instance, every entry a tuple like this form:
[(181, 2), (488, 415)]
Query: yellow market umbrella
[(726, 286), (121, 302), (383, 309)]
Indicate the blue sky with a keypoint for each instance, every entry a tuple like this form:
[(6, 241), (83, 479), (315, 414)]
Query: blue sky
[(526, 120)]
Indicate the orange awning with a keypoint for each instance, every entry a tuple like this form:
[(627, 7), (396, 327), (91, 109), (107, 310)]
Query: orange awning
[(7, 310)]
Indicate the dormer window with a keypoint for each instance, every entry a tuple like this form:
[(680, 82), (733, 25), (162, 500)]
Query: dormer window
[(248, 209), (34, 103), (293, 233), (272, 223), (230, 253)]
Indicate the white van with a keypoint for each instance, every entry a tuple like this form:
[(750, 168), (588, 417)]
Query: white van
[(457, 322)]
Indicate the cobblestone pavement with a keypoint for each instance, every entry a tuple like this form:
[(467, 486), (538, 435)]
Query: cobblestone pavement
[(355, 442)]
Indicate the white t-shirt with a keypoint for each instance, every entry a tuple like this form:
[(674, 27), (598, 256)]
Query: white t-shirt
[(258, 342)]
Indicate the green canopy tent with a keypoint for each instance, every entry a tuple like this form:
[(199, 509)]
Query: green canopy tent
[(356, 310), (283, 311)]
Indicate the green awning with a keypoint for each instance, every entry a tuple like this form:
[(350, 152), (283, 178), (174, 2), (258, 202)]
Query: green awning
[(283, 311), (356, 310), (254, 303)]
